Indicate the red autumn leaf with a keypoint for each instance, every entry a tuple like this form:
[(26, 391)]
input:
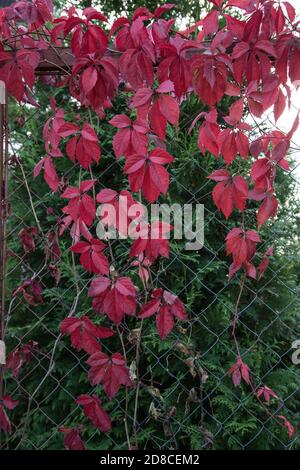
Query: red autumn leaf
[(266, 46), (159, 11), (89, 79), (94, 412), (240, 50), (294, 69), (20, 356), (164, 321), (232, 142), (261, 98), (51, 127), (84, 333), (236, 28), (10, 404), (263, 191), (274, 146), (143, 265), (211, 22), (80, 209), (113, 299), (151, 240), (230, 192), (232, 89), (143, 97), (27, 237), (83, 147), (146, 172), (119, 23), (18, 72), (241, 244), (34, 14), (138, 58), (98, 78), (110, 372), (267, 209), (161, 107), (260, 168), (168, 108), (280, 20), (239, 371), (166, 306), (252, 56), (290, 428), (208, 133), (235, 112), (31, 291), (267, 393), (265, 262), (50, 175), (87, 37), (164, 109), (131, 137), (291, 12), (210, 77), (72, 439), (217, 3), (279, 105), (125, 209), (91, 256)]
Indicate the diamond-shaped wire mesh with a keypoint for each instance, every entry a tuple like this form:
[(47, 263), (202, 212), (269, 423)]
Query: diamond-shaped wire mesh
[(185, 399)]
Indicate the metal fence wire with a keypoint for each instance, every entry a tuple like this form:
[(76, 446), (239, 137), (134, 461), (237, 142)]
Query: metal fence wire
[(186, 398)]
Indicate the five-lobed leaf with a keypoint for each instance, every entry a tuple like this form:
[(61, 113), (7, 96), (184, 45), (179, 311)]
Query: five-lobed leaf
[(111, 372), (84, 333)]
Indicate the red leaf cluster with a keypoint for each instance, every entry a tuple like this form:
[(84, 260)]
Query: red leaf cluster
[(151, 240), (166, 306), (84, 333), (72, 438), (27, 236), (91, 256), (8, 403), (94, 412), (80, 210), (20, 356), (147, 172), (83, 147), (110, 372), (241, 245), (131, 137), (113, 298), (267, 393), (31, 291), (230, 192), (238, 372), (18, 72), (252, 60), (126, 209)]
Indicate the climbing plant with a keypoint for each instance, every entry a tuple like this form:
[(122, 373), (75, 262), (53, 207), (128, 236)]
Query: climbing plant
[(230, 68)]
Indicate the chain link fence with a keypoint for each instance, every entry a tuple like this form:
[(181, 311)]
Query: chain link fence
[(186, 399)]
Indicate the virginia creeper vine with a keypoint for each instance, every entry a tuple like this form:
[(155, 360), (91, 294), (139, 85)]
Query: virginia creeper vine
[(253, 60)]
